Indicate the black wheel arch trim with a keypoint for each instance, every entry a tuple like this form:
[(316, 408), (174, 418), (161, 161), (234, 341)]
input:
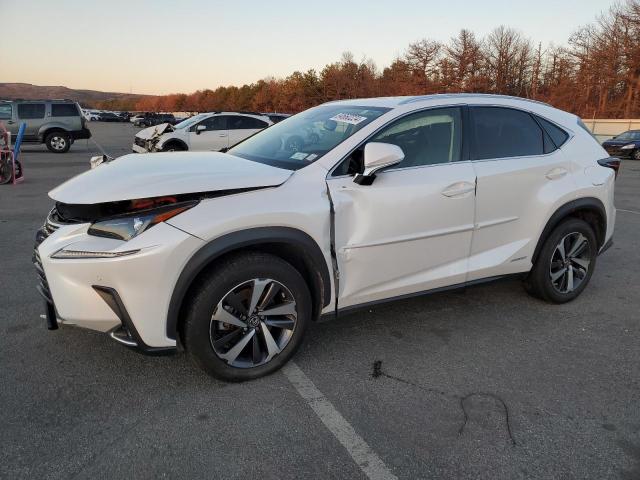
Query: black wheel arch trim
[(587, 203), (239, 240)]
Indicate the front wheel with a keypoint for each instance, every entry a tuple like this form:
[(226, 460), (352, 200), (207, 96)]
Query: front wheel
[(636, 154), (565, 263), (58, 142), (247, 317)]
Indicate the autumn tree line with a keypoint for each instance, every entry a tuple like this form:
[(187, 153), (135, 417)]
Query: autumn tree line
[(596, 74)]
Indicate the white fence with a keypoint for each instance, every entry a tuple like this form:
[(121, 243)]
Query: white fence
[(604, 128)]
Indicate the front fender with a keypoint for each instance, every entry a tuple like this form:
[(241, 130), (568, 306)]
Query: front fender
[(242, 239)]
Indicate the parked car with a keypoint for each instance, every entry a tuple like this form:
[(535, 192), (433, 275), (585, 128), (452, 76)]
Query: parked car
[(206, 131), (151, 119), (56, 123), (91, 115), (110, 117), (234, 254), (626, 144)]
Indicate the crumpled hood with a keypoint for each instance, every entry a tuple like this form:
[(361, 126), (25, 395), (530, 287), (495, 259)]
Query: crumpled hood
[(172, 173), (155, 131)]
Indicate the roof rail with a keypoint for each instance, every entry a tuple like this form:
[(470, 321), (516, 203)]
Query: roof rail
[(434, 96), (37, 100)]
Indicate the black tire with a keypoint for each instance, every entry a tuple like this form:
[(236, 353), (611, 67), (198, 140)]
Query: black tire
[(174, 147), (58, 142), (636, 154), (199, 328), (539, 282)]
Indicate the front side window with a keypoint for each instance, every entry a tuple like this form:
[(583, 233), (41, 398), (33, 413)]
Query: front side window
[(5, 111), (31, 110), (426, 138), (504, 132), (214, 123), (64, 110), (629, 136), (302, 139)]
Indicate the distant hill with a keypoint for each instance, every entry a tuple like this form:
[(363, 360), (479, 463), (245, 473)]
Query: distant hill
[(87, 98)]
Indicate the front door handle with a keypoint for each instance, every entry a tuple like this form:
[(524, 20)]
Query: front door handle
[(556, 173), (222, 134), (458, 189)]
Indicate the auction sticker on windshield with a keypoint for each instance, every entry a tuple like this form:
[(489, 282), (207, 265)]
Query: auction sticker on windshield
[(348, 118), (299, 156)]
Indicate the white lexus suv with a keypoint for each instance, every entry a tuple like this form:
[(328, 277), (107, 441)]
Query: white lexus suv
[(231, 255), (203, 132)]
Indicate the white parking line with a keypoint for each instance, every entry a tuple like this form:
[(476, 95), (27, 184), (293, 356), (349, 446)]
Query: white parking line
[(359, 450), (628, 211)]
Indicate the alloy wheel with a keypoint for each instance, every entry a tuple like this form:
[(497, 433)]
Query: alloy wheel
[(570, 262), (58, 143), (253, 323)]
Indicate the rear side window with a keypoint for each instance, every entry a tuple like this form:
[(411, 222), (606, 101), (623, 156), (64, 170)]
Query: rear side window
[(64, 110), (238, 122), (5, 111), (558, 136), (504, 132), (31, 110)]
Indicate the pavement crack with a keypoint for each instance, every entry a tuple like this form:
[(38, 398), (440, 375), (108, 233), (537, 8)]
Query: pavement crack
[(378, 372)]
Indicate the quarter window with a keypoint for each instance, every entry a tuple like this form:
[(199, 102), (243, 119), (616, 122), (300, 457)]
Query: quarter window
[(31, 110), (64, 110), (5, 111), (558, 135), (504, 132)]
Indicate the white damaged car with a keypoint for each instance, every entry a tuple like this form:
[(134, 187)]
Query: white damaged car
[(232, 255), (203, 132)]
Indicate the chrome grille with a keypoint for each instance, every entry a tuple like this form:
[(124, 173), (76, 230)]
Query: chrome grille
[(41, 235)]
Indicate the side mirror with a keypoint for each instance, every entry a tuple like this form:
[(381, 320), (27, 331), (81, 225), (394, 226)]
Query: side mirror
[(376, 157), (200, 129)]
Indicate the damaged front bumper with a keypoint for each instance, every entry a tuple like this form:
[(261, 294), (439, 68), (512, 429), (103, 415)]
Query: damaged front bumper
[(148, 140)]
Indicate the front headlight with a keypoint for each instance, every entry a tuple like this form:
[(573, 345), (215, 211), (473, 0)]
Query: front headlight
[(629, 146), (125, 227)]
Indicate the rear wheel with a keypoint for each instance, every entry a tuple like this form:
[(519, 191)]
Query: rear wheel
[(565, 263), (636, 154), (247, 318), (58, 142)]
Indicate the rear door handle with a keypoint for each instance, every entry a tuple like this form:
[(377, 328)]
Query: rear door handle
[(556, 173), (222, 134), (458, 189)]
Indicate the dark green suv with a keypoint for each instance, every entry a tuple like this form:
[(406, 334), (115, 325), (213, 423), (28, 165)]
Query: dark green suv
[(56, 123)]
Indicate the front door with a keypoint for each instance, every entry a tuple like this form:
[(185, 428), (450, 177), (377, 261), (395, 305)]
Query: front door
[(215, 136), (411, 229)]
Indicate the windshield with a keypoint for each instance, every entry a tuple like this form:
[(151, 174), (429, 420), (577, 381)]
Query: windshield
[(299, 140), (628, 136), (191, 120)]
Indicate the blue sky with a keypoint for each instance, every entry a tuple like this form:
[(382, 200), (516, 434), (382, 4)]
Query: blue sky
[(165, 46)]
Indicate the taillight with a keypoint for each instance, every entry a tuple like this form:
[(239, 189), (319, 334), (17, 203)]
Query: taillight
[(611, 162)]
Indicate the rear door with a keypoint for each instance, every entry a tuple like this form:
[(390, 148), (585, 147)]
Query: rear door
[(242, 126), (519, 172), (215, 136), (68, 114), (33, 114)]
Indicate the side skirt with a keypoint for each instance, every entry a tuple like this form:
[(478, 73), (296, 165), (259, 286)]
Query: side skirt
[(353, 308)]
